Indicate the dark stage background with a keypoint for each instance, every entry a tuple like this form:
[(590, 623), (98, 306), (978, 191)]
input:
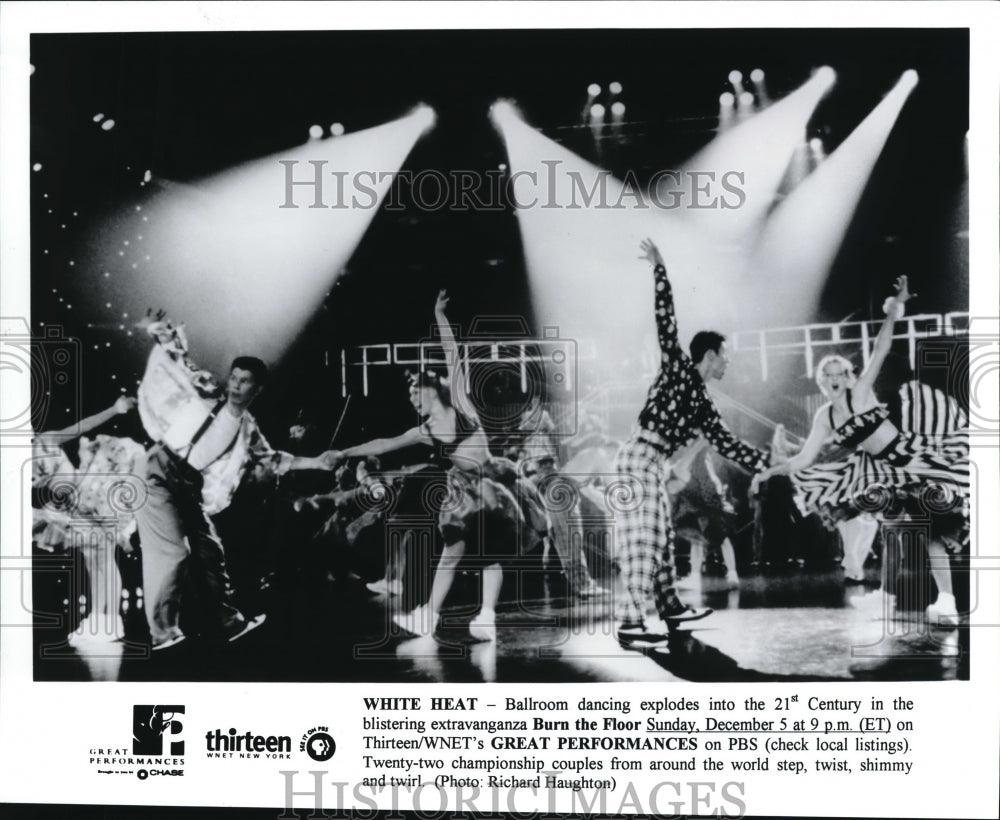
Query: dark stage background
[(187, 105)]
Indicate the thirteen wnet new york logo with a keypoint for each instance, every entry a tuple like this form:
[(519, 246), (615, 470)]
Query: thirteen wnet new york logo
[(156, 730)]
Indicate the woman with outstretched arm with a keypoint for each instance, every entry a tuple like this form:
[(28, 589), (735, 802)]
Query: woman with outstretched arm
[(899, 473), (481, 505)]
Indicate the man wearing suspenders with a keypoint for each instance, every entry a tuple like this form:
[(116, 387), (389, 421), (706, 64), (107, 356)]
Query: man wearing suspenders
[(206, 441)]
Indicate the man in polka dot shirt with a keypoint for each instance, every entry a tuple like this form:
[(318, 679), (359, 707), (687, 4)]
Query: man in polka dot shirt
[(678, 411)]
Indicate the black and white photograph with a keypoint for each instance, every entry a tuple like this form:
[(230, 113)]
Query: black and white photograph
[(528, 356), (623, 354)]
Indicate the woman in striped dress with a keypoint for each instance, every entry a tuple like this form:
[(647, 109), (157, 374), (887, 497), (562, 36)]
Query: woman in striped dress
[(891, 472)]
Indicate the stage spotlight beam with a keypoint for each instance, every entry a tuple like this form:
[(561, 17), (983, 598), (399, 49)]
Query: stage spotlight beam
[(581, 227), (246, 257), (759, 148), (806, 231)]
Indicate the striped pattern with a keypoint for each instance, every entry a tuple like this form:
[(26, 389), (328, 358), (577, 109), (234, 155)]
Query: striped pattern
[(930, 411), (926, 469)]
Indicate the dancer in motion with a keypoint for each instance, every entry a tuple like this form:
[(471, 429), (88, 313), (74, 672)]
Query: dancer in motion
[(87, 517), (678, 410), (206, 442), (925, 473), (487, 502)]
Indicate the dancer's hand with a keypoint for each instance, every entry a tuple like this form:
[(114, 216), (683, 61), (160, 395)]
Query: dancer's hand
[(123, 404), (331, 459), (302, 503), (757, 480), (156, 324), (650, 252), (442, 302), (151, 318), (903, 289)]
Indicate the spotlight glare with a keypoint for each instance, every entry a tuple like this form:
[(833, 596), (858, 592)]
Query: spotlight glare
[(618, 109), (757, 75), (735, 76), (337, 129), (816, 143), (746, 99), (615, 88), (909, 78), (826, 74), (315, 132), (502, 111), (726, 98), (597, 111), (425, 115), (593, 89)]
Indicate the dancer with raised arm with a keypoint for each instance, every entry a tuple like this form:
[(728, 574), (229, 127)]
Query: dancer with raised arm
[(921, 475), (678, 410), (206, 442), (482, 505)]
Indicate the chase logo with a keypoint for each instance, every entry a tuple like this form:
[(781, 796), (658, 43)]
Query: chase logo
[(149, 726)]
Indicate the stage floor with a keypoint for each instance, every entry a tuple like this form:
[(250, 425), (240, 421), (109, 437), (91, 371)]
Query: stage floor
[(796, 627)]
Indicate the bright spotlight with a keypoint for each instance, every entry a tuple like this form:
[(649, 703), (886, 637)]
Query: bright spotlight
[(618, 109), (425, 116), (827, 75), (746, 99), (615, 88), (757, 75), (735, 77), (597, 111), (909, 79), (337, 129), (236, 224), (816, 144), (502, 111), (593, 89), (805, 232), (315, 132), (726, 98)]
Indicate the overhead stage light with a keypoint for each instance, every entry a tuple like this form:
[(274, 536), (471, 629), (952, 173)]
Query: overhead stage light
[(424, 116), (593, 89), (615, 88), (806, 231), (261, 242)]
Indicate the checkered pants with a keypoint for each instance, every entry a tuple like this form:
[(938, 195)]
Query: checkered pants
[(643, 533)]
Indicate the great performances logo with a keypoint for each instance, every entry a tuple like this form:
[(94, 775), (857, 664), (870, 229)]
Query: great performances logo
[(151, 723), (318, 743), (157, 746)]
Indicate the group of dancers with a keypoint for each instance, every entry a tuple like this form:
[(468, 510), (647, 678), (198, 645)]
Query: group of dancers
[(496, 509)]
